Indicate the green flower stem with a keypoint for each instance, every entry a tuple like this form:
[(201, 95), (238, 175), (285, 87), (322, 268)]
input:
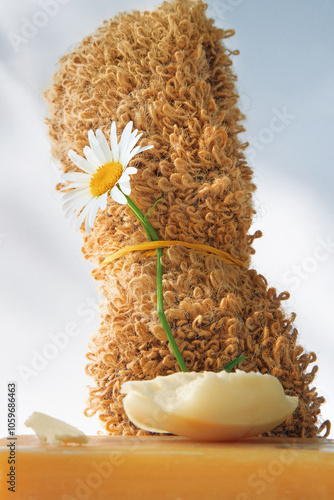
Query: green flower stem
[(229, 367), (161, 314), (149, 230), (152, 236)]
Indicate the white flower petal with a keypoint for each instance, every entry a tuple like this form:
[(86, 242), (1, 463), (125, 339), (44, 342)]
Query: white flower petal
[(74, 205), (125, 187), (135, 152), (74, 200), (118, 196), (76, 177), (103, 201), (104, 145), (87, 226), (131, 170), (80, 162), (93, 211), (123, 145), (113, 143), (134, 138), (95, 146), (124, 178), (145, 148), (73, 214), (73, 210), (91, 138), (75, 192), (78, 185), (92, 158), (130, 155), (83, 214)]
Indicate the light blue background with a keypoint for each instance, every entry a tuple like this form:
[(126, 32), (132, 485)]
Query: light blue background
[(285, 67)]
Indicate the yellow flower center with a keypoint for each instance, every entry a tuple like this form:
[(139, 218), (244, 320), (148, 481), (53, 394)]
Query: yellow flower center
[(105, 178)]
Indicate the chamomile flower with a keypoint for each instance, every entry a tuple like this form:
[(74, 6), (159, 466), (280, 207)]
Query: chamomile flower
[(104, 170)]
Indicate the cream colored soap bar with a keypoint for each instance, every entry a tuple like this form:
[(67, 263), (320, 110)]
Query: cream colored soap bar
[(170, 468)]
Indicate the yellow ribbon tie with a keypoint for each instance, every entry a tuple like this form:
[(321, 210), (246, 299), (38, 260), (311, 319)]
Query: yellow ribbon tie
[(226, 257)]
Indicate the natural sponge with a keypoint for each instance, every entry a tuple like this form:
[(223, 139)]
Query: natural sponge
[(169, 72)]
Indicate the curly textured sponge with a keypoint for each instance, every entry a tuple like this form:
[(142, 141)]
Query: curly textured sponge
[(169, 72)]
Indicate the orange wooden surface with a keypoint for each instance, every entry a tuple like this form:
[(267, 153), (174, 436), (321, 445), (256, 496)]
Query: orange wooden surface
[(170, 468)]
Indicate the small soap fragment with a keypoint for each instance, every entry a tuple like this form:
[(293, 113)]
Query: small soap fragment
[(208, 406), (53, 431)]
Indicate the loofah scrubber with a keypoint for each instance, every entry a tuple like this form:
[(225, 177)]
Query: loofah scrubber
[(169, 72)]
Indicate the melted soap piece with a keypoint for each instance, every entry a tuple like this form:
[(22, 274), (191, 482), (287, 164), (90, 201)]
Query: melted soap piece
[(53, 431), (208, 406)]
